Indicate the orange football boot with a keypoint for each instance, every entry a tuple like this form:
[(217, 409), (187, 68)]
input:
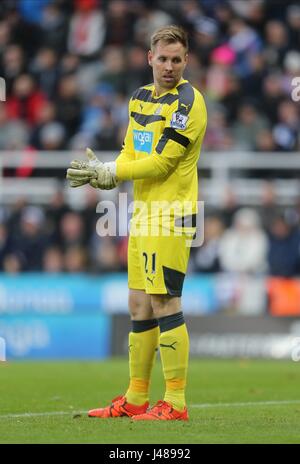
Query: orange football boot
[(162, 411), (119, 408)]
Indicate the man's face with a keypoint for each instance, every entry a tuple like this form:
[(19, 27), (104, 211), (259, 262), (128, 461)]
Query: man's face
[(168, 62)]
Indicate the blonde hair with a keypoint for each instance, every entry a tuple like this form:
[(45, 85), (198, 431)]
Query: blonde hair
[(170, 34)]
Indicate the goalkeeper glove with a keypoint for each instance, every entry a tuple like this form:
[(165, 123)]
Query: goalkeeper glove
[(97, 174)]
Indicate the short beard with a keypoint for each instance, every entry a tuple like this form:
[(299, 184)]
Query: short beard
[(165, 85)]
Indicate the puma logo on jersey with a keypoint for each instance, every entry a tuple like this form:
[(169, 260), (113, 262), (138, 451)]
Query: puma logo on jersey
[(184, 106)]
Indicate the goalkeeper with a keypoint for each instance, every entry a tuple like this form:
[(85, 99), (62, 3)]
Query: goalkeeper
[(167, 122)]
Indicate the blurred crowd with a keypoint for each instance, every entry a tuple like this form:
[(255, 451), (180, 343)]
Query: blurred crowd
[(57, 238), (71, 66)]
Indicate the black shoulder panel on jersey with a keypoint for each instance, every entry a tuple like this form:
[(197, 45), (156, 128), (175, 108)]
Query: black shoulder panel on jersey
[(142, 94), (167, 99), (145, 95), (144, 119), (186, 98)]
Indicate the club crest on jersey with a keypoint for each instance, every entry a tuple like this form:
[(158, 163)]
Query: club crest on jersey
[(142, 141), (179, 120)]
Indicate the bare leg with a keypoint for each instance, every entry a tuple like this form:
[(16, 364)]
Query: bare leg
[(140, 305)]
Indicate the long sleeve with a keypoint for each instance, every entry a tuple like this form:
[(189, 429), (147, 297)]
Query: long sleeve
[(154, 166)]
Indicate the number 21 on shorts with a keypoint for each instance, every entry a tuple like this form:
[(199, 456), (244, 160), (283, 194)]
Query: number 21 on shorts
[(153, 263)]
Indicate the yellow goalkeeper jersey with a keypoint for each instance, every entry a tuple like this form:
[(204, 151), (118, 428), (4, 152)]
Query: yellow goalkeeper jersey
[(162, 144)]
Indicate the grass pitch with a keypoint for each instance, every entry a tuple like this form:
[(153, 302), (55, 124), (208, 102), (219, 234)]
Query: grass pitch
[(230, 401)]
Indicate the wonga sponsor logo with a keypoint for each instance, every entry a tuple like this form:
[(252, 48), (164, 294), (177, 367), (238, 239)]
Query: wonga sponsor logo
[(143, 141)]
